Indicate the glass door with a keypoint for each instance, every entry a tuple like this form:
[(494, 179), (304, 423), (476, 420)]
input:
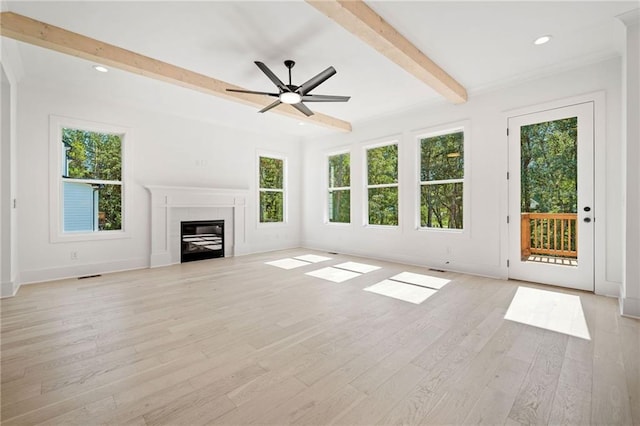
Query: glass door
[(551, 218)]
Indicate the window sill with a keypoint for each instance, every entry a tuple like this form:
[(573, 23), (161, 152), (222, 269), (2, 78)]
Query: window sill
[(453, 233), (446, 230), (385, 227), (69, 237), (272, 224), (338, 224)]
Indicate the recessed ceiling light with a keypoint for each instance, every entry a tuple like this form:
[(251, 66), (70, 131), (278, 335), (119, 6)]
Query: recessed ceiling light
[(100, 68), (300, 123), (542, 40)]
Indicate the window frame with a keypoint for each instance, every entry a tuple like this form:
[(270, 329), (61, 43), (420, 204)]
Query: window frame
[(464, 127), (328, 188), (365, 160), (56, 180), (284, 190)]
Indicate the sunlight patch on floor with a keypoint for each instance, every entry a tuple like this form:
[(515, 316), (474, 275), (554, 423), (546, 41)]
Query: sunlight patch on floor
[(401, 291), (550, 310), (421, 280), (287, 263), (313, 258), (333, 274), (363, 268)]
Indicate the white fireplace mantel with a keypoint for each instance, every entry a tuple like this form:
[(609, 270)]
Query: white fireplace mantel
[(164, 201)]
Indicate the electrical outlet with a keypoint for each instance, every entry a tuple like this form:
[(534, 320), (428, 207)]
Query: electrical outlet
[(74, 255)]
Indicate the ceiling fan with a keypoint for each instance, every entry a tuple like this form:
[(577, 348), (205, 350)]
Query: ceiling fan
[(295, 95)]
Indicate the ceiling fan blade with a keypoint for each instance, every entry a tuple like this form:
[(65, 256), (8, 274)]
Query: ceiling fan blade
[(272, 105), (302, 108), (314, 82), (252, 92), (325, 98), (272, 76)]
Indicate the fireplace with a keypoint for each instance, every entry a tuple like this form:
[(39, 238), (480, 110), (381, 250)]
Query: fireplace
[(202, 239)]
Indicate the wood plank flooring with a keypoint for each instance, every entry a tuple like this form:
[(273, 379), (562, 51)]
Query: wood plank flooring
[(235, 341)]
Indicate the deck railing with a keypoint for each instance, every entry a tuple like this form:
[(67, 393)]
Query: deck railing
[(550, 234)]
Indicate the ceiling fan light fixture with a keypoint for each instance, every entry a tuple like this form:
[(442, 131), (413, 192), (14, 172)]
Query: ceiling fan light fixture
[(542, 40), (290, 98)]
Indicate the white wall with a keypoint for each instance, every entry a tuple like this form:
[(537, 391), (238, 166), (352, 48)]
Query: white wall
[(10, 67), (5, 185), (630, 297), (483, 249), (167, 150)]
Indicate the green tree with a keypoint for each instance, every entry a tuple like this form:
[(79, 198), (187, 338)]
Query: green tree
[(382, 169), (97, 156), (548, 169), (339, 199), (271, 172), (442, 160)]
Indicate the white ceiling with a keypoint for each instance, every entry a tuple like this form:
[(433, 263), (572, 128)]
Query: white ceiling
[(481, 44)]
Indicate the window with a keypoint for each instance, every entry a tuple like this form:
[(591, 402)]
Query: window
[(272, 189), (442, 180), (88, 180), (382, 185), (91, 180), (339, 188)]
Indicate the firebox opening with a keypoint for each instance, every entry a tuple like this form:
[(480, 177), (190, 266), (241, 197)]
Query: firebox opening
[(202, 239)]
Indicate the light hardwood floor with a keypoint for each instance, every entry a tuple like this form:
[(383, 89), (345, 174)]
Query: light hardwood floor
[(235, 341)]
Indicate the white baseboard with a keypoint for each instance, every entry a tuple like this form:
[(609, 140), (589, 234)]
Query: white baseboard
[(8, 289), (52, 274), (607, 288), (158, 260), (263, 248), (630, 307), (478, 270)]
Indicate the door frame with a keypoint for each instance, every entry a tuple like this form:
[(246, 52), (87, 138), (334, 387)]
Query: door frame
[(601, 284), (582, 276)]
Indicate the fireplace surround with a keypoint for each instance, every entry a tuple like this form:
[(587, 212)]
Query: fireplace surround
[(169, 205)]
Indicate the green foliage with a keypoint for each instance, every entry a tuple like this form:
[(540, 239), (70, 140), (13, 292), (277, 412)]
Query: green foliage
[(548, 169), (442, 159), (382, 165), (339, 177), (441, 205), (271, 206), (382, 168), (93, 155), (97, 156), (110, 202), (271, 173), (271, 177), (339, 170), (340, 206), (383, 206)]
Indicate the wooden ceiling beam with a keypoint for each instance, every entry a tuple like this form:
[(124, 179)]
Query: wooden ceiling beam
[(358, 18), (38, 33)]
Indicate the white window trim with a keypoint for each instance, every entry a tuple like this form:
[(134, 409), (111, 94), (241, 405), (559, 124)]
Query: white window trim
[(365, 169), (56, 229), (285, 198), (465, 127), (328, 189)]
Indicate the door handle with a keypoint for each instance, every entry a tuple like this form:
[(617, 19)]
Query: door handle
[(587, 219)]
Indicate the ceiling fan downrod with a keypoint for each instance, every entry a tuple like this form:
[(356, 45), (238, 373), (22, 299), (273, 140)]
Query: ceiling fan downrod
[(289, 64)]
